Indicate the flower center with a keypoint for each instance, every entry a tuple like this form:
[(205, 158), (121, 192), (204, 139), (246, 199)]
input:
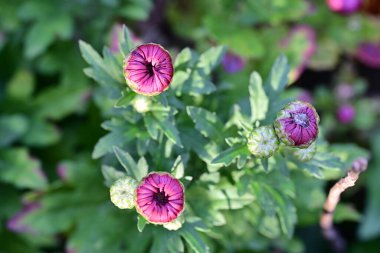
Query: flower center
[(161, 198), (301, 119), (150, 68)]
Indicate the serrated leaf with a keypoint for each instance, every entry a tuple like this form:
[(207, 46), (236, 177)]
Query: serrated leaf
[(206, 122), (257, 98), (227, 156)]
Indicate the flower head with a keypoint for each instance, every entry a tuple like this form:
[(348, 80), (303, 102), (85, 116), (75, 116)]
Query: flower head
[(346, 113), (305, 154), (344, 6), (122, 192), (263, 141), (369, 54), (297, 124), (148, 69), (232, 63), (160, 198)]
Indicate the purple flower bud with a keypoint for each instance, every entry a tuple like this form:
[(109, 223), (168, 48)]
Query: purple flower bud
[(297, 124), (369, 54), (15, 223), (344, 6), (148, 69), (346, 113), (305, 96), (160, 198), (232, 63), (344, 91)]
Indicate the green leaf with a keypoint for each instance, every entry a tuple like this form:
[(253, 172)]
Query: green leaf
[(193, 239), (18, 168), (111, 175), (130, 166), (278, 78), (182, 58), (151, 126), (141, 222), (178, 168), (142, 166), (167, 125), (58, 102), (125, 99), (226, 157), (257, 98), (12, 127), (206, 122), (41, 133), (210, 59), (90, 55), (21, 85), (346, 213), (126, 44)]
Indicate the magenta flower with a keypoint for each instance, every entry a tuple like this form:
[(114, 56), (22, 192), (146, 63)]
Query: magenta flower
[(232, 63), (297, 124), (346, 113), (369, 54), (160, 198), (148, 69), (344, 6)]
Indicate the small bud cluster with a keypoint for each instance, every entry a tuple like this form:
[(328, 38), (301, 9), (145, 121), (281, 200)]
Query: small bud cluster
[(159, 198), (296, 126)]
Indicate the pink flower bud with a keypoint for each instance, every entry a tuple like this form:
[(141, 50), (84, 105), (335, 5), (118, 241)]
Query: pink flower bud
[(160, 198), (344, 91), (346, 113), (148, 69), (232, 63), (344, 6), (297, 124)]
